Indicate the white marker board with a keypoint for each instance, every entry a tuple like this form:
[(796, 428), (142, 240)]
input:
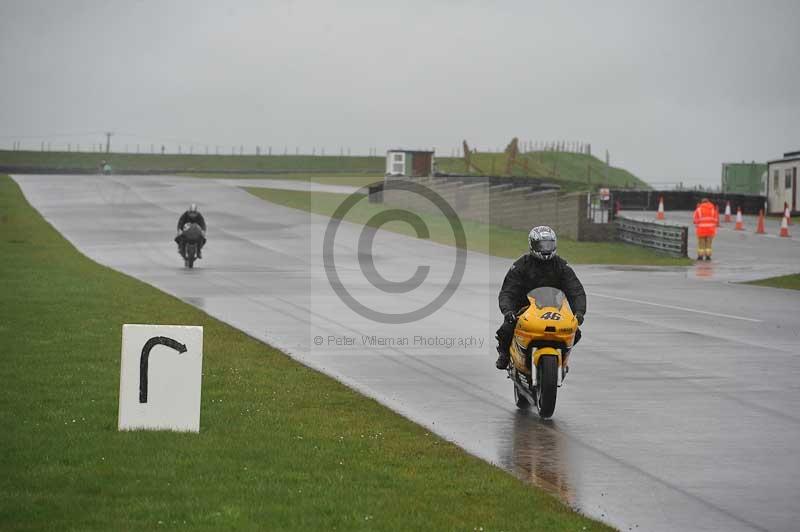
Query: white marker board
[(160, 377)]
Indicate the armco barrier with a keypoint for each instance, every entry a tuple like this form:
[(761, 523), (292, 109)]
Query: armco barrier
[(672, 239)]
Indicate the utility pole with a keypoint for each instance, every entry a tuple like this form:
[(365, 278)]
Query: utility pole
[(108, 141)]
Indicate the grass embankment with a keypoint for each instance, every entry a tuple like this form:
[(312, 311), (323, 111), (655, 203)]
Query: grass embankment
[(281, 447), (347, 180), (491, 239), (573, 171), (784, 281), (132, 162)]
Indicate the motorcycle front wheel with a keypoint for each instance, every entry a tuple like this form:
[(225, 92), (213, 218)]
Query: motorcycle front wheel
[(547, 385), (191, 254)]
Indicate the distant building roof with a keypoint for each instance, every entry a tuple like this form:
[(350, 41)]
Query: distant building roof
[(788, 156)]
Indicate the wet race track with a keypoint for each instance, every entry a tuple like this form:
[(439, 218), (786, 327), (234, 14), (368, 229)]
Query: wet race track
[(682, 407)]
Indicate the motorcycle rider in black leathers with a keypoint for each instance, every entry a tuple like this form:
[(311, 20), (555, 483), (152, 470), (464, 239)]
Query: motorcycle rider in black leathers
[(192, 216), (540, 267)]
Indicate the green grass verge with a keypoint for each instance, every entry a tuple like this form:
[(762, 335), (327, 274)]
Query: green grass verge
[(784, 281), (485, 238), (130, 162), (281, 447), (573, 171), (347, 180)]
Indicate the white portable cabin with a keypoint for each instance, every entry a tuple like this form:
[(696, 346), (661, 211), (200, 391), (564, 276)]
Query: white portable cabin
[(782, 183), (409, 163)]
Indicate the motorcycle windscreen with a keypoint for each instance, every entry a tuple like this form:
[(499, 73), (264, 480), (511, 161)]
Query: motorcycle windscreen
[(193, 233), (547, 296)]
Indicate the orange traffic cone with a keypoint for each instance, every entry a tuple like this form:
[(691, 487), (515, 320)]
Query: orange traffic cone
[(787, 213), (760, 227), (660, 213), (784, 227), (727, 212), (739, 221)]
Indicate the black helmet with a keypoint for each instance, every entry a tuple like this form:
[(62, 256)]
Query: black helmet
[(542, 242)]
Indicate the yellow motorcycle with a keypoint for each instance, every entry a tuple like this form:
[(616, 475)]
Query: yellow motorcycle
[(544, 334)]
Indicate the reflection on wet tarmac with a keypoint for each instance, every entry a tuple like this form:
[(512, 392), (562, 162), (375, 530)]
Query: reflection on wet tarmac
[(638, 268), (538, 454), (704, 269)]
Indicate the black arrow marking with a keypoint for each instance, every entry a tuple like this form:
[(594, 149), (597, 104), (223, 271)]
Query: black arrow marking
[(150, 344)]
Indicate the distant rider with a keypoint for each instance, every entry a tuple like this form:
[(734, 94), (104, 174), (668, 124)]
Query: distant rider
[(192, 216), (540, 267)]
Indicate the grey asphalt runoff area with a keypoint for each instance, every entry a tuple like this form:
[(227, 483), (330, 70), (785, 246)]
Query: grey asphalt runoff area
[(739, 255), (682, 407)]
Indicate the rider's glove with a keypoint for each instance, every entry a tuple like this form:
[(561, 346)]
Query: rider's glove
[(510, 317), (579, 317)]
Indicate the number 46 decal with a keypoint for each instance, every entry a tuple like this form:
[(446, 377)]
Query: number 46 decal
[(551, 316)]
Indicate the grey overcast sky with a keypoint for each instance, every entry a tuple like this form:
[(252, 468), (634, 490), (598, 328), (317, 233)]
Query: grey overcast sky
[(671, 88)]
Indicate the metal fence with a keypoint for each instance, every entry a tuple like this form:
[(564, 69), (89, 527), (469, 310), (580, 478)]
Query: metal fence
[(599, 208), (685, 200), (672, 239)]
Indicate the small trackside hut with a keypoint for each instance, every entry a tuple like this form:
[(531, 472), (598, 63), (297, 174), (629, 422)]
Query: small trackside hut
[(409, 163)]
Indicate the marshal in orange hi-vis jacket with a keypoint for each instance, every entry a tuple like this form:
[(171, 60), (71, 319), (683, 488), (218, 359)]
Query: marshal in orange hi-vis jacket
[(706, 218)]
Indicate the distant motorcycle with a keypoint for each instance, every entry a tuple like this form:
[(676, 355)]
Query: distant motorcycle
[(545, 330), (191, 237)]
